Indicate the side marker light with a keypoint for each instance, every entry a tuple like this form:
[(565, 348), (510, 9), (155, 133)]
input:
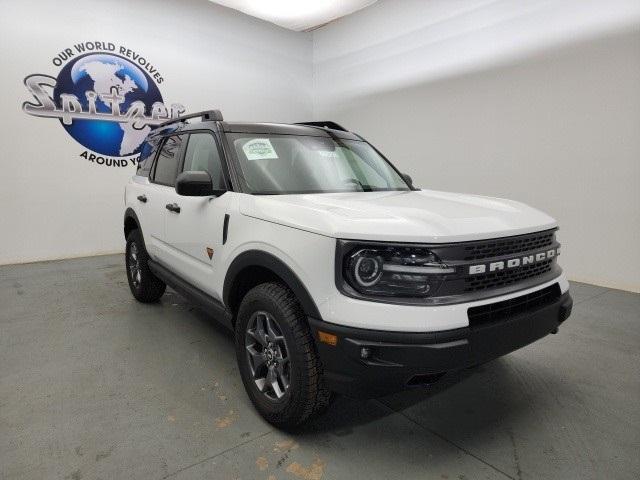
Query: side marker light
[(328, 338)]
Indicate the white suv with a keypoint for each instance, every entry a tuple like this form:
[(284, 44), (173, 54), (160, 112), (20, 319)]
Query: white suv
[(335, 273)]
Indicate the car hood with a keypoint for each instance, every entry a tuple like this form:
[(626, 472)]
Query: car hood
[(408, 216)]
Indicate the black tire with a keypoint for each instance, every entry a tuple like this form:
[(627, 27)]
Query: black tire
[(144, 285), (306, 395)]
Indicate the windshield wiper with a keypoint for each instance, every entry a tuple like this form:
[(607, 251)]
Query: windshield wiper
[(364, 187)]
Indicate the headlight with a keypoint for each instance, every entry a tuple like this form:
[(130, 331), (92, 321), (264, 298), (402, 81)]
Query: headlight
[(398, 271)]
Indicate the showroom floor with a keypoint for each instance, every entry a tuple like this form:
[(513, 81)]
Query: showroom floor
[(95, 385)]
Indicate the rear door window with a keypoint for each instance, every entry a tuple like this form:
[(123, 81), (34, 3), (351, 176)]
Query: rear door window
[(147, 154), (166, 167)]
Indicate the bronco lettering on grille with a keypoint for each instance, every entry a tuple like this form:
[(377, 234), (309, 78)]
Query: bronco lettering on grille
[(513, 262)]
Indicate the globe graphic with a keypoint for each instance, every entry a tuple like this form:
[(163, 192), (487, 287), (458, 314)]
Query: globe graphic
[(105, 74)]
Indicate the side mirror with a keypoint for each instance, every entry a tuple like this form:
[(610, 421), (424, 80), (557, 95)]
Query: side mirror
[(196, 184), (407, 178)]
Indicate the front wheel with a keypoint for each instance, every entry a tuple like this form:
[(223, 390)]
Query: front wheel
[(278, 362)]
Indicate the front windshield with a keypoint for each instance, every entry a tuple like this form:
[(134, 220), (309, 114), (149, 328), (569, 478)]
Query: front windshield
[(281, 164)]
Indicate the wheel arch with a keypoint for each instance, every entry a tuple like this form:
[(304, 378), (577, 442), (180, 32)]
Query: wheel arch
[(253, 267), (131, 221)]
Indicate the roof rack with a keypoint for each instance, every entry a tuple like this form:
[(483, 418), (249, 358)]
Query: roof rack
[(206, 116), (324, 124)]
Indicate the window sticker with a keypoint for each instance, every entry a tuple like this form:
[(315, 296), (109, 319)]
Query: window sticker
[(259, 149)]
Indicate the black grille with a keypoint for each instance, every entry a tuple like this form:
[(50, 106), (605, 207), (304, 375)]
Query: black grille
[(508, 246), (494, 312), (503, 278)]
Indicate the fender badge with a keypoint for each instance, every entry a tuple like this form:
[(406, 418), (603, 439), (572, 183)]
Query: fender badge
[(210, 252)]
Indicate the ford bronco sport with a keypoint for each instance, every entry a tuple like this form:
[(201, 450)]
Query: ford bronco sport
[(335, 273)]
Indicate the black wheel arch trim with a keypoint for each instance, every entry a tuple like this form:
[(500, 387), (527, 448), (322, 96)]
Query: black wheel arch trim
[(131, 214), (259, 258)]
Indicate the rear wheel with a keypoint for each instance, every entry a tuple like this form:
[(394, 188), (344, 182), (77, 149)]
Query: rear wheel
[(277, 358), (144, 285)]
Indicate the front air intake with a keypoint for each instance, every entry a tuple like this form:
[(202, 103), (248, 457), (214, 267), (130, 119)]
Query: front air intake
[(494, 312)]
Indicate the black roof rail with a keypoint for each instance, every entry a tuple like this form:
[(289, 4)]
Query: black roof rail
[(206, 116), (324, 124)]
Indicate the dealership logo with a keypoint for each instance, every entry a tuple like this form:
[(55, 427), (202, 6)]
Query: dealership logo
[(514, 262), (106, 97)]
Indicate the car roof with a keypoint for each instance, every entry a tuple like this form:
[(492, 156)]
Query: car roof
[(256, 128), (286, 129)]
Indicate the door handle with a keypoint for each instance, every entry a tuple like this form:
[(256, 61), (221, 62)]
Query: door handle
[(173, 207), (142, 198)]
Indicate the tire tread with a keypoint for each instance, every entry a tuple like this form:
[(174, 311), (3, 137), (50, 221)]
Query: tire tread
[(316, 396)]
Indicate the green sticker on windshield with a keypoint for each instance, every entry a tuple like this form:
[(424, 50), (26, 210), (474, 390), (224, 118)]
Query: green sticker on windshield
[(259, 149)]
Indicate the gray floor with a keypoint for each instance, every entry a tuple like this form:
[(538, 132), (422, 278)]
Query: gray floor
[(95, 385)]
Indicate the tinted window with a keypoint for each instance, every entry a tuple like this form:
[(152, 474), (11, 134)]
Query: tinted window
[(167, 163), (202, 155), (147, 154)]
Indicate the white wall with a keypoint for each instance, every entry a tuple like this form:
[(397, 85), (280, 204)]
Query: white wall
[(56, 204), (533, 100)]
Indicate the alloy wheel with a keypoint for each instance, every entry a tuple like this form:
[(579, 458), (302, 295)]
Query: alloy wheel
[(268, 355), (135, 271)]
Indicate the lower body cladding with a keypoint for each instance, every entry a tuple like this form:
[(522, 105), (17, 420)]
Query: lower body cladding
[(371, 363)]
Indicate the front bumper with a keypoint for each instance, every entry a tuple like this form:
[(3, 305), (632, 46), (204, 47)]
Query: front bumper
[(399, 360)]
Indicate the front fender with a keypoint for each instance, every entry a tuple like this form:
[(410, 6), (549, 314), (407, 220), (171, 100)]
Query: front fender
[(266, 260)]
